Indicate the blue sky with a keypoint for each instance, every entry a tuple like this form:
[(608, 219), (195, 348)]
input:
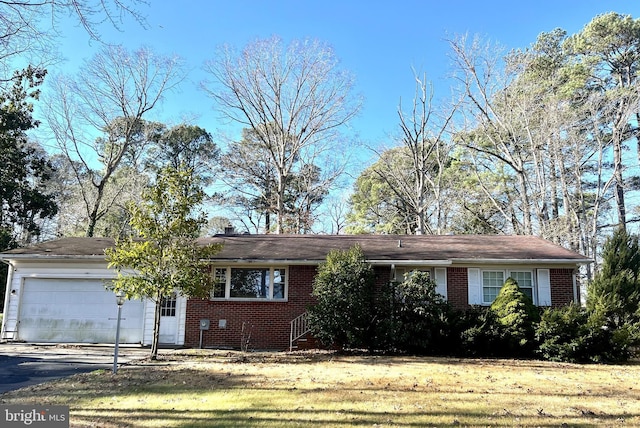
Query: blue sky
[(379, 41)]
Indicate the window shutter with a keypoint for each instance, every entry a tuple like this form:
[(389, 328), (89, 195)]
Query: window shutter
[(544, 287), (441, 281), (475, 286)]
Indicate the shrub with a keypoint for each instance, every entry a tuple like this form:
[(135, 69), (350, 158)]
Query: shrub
[(517, 314), (574, 334), (343, 287), (421, 318), (482, 335)]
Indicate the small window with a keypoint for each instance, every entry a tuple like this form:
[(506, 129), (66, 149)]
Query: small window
[(219, 283), (525, 282), (492, 282), (168, 306), (278, 283)]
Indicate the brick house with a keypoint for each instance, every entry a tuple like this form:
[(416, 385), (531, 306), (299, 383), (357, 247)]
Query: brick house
[(264, 284), (468, 269)]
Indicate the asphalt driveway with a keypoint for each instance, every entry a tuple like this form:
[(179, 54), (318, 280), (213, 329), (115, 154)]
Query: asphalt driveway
[(29, 364)]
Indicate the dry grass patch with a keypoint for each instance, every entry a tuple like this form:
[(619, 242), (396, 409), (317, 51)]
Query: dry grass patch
[(211, 389)]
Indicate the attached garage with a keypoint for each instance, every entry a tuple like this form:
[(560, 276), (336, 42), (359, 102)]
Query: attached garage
[(56, 293), (73, 310)]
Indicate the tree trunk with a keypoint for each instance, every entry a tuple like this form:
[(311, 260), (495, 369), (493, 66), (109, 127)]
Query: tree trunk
[(156, 327), (619, 185)]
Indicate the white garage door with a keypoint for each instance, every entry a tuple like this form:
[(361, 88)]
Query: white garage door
[(75, 311)]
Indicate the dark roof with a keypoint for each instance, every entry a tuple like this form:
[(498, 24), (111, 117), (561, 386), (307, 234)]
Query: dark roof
[(392, 247), (75, 246), (314, 248)]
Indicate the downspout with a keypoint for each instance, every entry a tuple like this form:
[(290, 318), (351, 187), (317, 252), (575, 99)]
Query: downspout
[(576, 295), (7, 296)]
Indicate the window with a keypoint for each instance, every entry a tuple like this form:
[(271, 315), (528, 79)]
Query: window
[(525, 282), (492, 282), (168, 306), (219, 283), (278, 283), (249, 283)]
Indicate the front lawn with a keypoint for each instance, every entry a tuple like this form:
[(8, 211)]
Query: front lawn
[(220, 389)]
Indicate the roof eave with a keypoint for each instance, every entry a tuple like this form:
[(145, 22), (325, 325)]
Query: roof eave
[(409, 262), (525, 261), (40, 257), (265, 261)]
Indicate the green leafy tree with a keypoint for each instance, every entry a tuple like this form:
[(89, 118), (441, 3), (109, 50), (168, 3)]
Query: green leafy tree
[(185, 146), (374, 205), (607, 53), (24, 166), (344, 289), (165, 257)]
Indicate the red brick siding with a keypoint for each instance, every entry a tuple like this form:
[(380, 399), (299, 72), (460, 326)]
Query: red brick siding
[(382, 276), (561, 286), (268, 321), (458, 287), (458, 296)]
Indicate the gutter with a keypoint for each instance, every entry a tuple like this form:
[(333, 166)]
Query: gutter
[(8, 257), (376, 262), (386, 262), (524, 261)]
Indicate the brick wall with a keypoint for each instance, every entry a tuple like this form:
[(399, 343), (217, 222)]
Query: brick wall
[(266, 321), (561, 286), (458, 287)]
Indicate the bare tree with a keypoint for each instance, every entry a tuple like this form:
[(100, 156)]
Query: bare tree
[(492, 128), (295, 98), (98, 118), (29, 27), (424, 137), (337, 210)]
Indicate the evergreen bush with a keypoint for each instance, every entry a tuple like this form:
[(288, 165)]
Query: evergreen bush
[(344, 289)]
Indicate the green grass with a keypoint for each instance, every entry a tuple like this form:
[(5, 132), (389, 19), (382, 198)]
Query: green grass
[(215, 389)]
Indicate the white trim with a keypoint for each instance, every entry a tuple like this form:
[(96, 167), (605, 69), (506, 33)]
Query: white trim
[(7, 297), (524, 261), (41, 257), (269, 298), (416, 263), (377, 262)]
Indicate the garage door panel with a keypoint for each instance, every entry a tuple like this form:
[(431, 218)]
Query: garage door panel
[(75, 310)]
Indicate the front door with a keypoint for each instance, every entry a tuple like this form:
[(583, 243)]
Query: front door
[(169, 320)]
